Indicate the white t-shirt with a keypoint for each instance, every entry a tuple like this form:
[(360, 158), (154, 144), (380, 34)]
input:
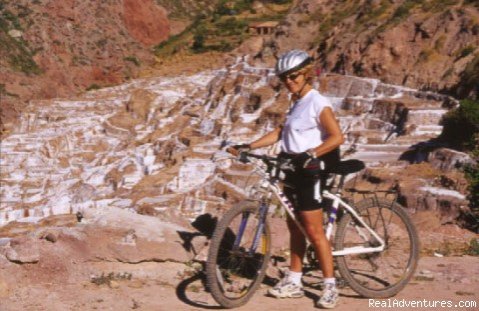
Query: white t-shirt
[(302, 129)]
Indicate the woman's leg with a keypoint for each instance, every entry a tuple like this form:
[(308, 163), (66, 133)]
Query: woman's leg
[(313, 224), (297, 244)]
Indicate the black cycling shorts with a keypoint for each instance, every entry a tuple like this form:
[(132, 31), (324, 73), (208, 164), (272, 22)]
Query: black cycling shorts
[(303, 191)]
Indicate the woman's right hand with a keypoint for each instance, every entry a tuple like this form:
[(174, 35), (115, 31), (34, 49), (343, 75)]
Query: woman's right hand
[(237, 149)]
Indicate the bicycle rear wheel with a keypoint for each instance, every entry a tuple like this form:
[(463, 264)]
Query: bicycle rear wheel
[(379, 274), (235, 266)]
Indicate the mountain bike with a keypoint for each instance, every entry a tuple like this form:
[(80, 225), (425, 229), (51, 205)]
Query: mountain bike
[(374, 242)]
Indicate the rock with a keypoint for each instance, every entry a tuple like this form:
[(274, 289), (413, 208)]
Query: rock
[(114, 284), (149, 238), (139, 104), (346, 86), (136, 284), (251, 46), (23, 250), (82, 192), (198, 243), (15, 33), (129, 238), (446, 159), (4, 241), (51, 237), (4, 289), (424, 275), (146, 21)]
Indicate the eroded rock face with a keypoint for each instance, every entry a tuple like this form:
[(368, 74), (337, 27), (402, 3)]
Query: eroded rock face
[(69, 46), (23, 250), (146, 21), (448, 159), (149, 145), (416, 48)]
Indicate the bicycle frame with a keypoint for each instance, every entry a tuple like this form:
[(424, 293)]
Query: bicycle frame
[(271, 186), (234, 272)]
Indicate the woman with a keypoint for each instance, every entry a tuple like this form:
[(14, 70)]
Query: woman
[(310, 136)]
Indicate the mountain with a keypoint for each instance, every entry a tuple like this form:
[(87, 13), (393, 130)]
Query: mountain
[(62, 48), (427, 44), (108, 197)]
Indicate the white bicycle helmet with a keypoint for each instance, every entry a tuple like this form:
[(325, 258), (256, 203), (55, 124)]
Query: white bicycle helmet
[(292, 61)]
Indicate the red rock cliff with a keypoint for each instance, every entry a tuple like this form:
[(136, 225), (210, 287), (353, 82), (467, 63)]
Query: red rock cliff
[(145, 21)]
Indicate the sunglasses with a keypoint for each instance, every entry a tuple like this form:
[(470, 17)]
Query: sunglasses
[(291, 76)]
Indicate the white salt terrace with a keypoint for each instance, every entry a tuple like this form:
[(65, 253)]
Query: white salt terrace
[(59, 158)]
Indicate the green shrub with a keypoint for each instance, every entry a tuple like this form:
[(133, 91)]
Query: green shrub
[(242, 5), (472, 2), (93, 86), (473, 247), (403, 10), (461, 131), (231, 26), (466, 51), (461, 126), (472, 175), (468, 86)]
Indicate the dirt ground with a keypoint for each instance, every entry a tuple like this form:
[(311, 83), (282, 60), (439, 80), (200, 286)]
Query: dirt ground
[(61, 265), (176, 286)]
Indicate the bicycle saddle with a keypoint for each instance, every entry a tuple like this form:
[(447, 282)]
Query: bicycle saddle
[(347, 167)]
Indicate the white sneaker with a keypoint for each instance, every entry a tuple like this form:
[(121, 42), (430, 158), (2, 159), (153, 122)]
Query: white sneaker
[(286, 289), (329, 298)]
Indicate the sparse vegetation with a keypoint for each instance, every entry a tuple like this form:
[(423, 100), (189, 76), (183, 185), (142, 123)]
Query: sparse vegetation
[(468, 86), (472, 2), (133, 59), (466, 51), (473, 249), (17, 52), (93, 86), (461, 126), (106, 279), (403, 10), (439, 44), (461, 131), (221, 29), (472, 175), (425, 55)]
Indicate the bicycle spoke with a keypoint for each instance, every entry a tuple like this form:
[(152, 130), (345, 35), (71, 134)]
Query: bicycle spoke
[(240, 262), (378, 274)]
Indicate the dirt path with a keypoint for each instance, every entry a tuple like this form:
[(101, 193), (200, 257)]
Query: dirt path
[(174, 286)]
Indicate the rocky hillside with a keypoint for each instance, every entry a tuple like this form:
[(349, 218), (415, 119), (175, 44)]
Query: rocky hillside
[(108, 198), (147, 145), (60, 48), (427, 44)]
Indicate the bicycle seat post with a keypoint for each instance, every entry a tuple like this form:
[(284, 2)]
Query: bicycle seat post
[(339, 189)]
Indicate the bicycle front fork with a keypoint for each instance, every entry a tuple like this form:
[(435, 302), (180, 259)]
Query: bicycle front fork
[(262, 213)]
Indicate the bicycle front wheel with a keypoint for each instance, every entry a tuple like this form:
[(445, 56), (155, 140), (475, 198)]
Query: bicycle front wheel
[(378, 274), (238, 255)]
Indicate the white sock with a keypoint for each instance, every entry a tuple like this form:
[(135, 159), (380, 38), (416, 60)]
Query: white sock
[(331, 281), (295, 277)]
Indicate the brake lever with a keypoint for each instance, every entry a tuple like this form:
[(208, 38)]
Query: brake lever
[(243, 157)]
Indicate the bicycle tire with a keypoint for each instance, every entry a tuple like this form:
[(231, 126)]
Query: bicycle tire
[(231, 285), (367, 281)]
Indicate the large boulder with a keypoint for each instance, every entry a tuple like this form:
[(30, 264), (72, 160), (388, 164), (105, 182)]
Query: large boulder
[(121, 235), (446, 159)]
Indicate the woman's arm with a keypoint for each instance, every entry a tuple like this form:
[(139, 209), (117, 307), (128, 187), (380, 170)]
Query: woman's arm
[(335, 136), (267, 140)]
